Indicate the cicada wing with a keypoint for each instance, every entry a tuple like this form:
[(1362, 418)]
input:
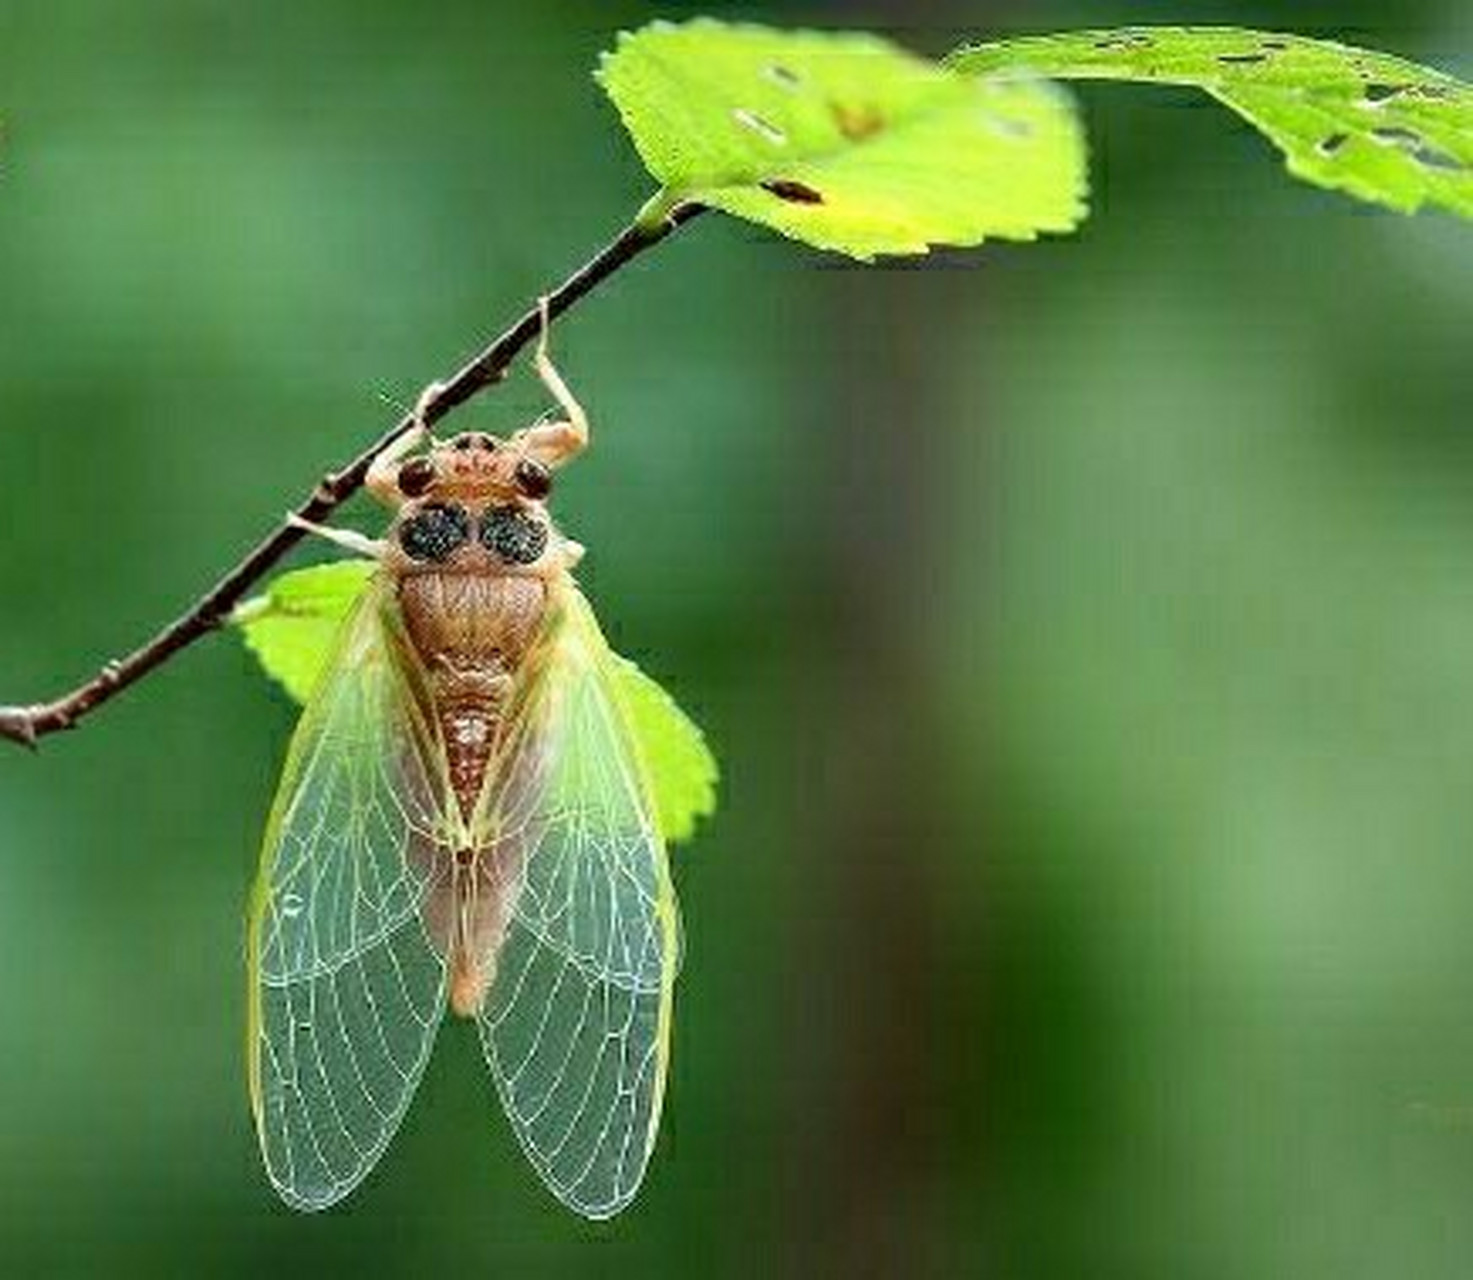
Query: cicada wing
[(347, 986), (576, 1024)]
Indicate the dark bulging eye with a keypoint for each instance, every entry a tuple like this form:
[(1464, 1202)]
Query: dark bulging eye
[(533, 479), (416, 476), (513, 535), (435, 532), (461, 443)]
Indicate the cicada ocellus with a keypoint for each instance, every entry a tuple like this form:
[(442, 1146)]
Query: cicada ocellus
[(465, 821)]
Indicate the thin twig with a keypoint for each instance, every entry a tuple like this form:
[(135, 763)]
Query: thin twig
[(26, 724)]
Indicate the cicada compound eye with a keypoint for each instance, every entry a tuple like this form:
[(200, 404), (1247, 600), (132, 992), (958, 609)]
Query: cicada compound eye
[(415, 477), (435, 532), (513, 535)]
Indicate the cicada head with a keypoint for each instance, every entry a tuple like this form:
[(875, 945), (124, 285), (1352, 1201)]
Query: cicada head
[(475, 468), (478, 500), (474, 501)]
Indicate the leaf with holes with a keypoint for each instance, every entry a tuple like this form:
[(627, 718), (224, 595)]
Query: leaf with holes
[(292, 627), (844, 141), (1376, 126)]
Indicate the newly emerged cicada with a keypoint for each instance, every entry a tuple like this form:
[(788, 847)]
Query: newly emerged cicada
[(465, 821)]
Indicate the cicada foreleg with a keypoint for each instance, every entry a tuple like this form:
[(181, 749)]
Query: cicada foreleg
[(554, 443), (349, 539)]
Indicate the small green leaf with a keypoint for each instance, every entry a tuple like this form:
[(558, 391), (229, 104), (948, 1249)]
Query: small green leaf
[(1376, 126), (681, 766), (291, 629), (844, 141)]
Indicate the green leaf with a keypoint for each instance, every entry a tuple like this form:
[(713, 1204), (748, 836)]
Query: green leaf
[(1376, 126), (292, 626), (844, 141), (680, 764)]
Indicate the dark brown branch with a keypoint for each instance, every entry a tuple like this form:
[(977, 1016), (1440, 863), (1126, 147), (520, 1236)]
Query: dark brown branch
[(27, 724)]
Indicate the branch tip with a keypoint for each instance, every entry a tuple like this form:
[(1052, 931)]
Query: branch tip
[(19, 725)]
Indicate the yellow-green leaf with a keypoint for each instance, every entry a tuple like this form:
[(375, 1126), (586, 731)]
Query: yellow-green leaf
[(681, 766), (845, 141), (1373, 125), (292, 626)]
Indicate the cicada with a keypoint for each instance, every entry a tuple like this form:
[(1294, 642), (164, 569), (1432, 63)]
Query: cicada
[(464, 821)]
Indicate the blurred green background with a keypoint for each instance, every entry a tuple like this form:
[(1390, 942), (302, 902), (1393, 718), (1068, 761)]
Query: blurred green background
[(1086, 630)]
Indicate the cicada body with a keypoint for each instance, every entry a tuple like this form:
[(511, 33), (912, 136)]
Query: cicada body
[(465, 822)]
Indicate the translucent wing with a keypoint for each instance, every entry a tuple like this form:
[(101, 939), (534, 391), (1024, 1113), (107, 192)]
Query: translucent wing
[(576, 1025), (346, 987)]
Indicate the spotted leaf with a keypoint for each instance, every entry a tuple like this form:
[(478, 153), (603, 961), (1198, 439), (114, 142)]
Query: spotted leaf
[(845, 141), (1375, 126)]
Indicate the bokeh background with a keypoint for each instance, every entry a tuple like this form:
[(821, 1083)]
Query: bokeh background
[(1085, 628)]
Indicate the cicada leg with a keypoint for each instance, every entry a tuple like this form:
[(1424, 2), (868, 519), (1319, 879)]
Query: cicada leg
[(349, 539), (554, 443)]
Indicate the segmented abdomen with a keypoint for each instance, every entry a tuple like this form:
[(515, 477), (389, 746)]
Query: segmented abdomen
[(472, 631)]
